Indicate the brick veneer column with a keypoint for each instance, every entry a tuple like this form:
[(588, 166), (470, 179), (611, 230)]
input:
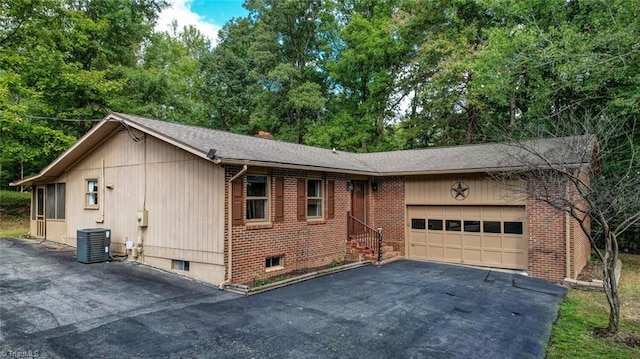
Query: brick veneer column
[(546, 244), (389, 209)]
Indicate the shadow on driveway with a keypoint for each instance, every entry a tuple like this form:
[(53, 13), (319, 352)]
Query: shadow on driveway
[(53, 306)]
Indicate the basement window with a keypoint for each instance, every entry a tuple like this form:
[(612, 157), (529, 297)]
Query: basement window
[(272, 263), (181, 265)]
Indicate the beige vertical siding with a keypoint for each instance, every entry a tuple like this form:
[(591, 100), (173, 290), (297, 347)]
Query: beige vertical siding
[(436, 189), (184, 199)]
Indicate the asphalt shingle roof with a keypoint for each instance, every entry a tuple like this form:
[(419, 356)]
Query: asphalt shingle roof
[(230, 146)]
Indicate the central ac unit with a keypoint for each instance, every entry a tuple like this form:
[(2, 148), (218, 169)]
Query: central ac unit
[(93, 245)]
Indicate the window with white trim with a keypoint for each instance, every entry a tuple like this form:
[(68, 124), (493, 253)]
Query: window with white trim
[(181, 265), (257, 198), (274, 262), (314, 198), (91, 194)]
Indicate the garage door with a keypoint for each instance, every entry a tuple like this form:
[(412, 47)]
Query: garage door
[(492, 236)]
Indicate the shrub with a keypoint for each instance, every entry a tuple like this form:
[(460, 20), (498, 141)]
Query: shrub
[(14, 204)]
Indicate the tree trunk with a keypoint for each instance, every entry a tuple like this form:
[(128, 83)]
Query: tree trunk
[(470, 125), (512, 110), (610, 285)]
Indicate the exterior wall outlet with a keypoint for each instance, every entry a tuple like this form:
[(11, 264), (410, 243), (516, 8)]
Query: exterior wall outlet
[(143, 218)]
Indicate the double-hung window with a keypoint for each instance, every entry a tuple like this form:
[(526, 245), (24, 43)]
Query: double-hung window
[(314, 198), (91, 194), (257, 198)]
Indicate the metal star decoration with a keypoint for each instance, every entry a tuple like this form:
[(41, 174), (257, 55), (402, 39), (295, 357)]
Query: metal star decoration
[(459, 190)]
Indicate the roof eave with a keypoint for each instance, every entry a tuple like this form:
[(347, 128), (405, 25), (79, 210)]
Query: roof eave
[(69, 157), (239, 162)]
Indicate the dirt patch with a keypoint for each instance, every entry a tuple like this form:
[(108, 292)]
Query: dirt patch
[(593, 270), (629, 338)]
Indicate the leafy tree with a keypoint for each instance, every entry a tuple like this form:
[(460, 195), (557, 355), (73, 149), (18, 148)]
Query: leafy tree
[(168, 81), (229, 81), (604, 194), (57, 61), (286, 47), (447, 36), (366, 62)]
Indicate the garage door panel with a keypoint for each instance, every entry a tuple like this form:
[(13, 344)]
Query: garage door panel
[(453, 255), (492, 242), (435, 252), (435, 238), (467, 239), (419, 250), (419, 237), (452, 240), (511, 259), (472, 255), (473, 241)]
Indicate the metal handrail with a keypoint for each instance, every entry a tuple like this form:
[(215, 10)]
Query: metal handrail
[(365, 235)]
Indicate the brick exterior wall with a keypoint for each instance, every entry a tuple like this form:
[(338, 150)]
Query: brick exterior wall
[(387, 211), (546, 244), (303, 244), (580, 244), (580, 248)]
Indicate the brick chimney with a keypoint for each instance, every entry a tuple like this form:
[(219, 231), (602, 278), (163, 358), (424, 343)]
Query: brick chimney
[(264, 134)]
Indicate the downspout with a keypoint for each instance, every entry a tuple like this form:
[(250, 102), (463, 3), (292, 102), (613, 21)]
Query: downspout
[(101, 194), (229, 230)]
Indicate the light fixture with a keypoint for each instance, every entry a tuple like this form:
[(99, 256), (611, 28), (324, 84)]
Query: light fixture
[(109, 186), (349, 186), (374, 186)]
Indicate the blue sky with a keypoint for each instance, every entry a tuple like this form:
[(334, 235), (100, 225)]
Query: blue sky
[(208, 16), (218, 11)]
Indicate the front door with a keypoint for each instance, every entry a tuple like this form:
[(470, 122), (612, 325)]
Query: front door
[(358, 208), (41, 226)]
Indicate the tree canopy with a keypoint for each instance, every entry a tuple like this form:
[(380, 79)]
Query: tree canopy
[(357, 75)]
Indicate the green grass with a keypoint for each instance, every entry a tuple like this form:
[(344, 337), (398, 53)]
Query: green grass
[(583, 311), (14, 227), (14, 213)]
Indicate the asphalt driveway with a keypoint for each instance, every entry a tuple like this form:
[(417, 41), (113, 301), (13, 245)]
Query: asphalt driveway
[(52, 306)]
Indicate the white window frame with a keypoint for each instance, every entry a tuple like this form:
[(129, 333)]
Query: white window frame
[(266, 198), (319, 197), (92, 192), (272, 267), (180, 265)]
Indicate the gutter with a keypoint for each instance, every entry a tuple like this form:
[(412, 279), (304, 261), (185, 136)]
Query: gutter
[(229, 230)]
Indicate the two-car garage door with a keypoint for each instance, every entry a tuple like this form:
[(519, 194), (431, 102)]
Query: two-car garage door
[(492, 236)]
